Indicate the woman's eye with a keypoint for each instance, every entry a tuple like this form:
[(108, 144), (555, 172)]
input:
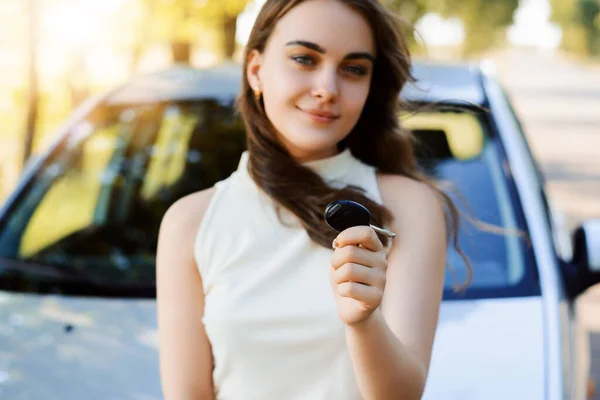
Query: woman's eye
[(356, 70), (304, 60)]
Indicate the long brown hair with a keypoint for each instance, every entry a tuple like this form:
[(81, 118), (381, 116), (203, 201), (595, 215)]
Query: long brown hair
[(377, 139)]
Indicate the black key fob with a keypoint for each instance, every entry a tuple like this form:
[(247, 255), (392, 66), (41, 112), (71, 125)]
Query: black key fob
[(343, 214)]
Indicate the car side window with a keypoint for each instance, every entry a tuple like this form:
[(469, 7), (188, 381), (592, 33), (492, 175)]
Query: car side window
[(96, 206), (455, 149)]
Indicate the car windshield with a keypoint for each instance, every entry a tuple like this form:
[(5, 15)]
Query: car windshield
[(96, 204)]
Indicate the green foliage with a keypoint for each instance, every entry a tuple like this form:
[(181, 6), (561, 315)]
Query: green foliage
[(183, 20), (484, 20), (206, 23), (580, 22)]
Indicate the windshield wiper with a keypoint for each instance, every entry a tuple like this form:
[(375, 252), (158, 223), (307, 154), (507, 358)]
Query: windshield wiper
[(66, 281), (52, 271)]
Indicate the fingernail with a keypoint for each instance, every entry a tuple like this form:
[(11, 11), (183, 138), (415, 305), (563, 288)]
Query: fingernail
[(334, 244)]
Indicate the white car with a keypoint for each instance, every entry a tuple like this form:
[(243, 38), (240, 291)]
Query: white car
[(79, 233)]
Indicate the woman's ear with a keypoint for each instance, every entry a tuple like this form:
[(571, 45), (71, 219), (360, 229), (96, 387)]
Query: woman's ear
[(253, 70)]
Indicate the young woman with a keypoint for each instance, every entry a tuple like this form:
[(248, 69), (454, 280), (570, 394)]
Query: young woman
[(258, 298)]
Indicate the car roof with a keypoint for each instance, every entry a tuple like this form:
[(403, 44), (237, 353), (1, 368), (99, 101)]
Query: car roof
[(435, 82)]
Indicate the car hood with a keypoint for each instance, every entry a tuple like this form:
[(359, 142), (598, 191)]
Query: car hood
[(77, 347), (58, 347), (488, 349)]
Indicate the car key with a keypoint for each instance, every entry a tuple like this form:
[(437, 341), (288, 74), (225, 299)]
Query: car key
[(343, 214)]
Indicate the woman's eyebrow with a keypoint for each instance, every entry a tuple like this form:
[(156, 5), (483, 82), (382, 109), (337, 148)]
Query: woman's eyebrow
[(310, 45), (319, 49), (360, 55)]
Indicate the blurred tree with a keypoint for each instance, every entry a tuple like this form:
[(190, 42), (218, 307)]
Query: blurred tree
[(484, 21), (409, 12), (580, 23), (185, 22), (32, 81)]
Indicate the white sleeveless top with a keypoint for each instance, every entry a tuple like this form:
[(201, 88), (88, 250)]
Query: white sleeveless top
[(269, 312)]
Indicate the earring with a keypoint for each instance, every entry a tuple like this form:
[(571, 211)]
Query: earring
[(257, 93)]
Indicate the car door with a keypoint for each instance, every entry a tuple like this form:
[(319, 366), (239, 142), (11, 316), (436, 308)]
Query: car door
[(566, 365), (575, 348), (489, 339)]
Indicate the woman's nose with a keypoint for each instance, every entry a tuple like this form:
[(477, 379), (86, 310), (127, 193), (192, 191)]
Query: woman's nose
[(326, 86)]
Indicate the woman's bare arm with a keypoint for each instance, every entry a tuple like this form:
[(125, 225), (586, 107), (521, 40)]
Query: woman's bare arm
[(184, 349), (391, 350)]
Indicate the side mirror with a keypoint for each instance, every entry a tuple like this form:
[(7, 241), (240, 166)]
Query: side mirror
[(584, 270)]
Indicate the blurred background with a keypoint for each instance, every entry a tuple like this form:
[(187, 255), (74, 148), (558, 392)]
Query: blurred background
[(56, 53)]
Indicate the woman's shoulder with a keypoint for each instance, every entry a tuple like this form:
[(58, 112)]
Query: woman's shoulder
[(396, 184), (182, 218), (188, 212), (408, 199)]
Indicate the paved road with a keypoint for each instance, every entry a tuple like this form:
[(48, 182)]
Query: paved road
[(559, 103)]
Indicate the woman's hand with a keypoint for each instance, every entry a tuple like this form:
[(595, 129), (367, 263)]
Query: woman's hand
[(358, 273)]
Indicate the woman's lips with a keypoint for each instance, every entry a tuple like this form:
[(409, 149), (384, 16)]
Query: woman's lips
[(321, 116)]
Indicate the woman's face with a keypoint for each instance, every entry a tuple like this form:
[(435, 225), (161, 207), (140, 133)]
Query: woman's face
[(315, 75)]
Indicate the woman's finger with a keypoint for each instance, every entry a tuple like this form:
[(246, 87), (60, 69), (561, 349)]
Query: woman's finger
[(364, 236), (358, 255), (352, 272), (358, 291)]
